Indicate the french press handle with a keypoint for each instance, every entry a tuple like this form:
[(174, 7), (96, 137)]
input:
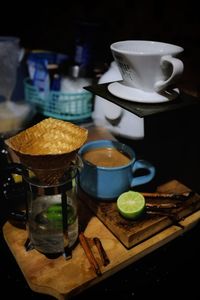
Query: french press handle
[(17, 216)]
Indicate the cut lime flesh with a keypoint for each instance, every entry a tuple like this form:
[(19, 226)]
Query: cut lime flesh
[(131, 204)]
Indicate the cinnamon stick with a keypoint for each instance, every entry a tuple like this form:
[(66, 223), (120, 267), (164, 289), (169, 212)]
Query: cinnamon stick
[(167, 214), (86, 247), (102, 252), (182, 196), (161, 205)]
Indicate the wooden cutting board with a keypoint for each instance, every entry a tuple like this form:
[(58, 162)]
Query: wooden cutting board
[(62, 278), (131, 233)]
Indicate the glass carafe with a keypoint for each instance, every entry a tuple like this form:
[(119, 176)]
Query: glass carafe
[(51, 213)]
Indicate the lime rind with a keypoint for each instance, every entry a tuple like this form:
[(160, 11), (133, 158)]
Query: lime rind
[(131, 204)]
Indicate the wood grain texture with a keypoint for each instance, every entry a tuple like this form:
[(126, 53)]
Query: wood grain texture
[(63, 278), (133, 232)]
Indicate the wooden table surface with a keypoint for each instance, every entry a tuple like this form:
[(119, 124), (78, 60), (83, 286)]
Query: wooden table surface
[(64, 278)]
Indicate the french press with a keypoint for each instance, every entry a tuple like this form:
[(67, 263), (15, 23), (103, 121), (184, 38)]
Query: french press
[(51, 207)]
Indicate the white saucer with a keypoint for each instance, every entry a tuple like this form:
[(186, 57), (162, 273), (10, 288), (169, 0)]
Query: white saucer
[(128, 93)]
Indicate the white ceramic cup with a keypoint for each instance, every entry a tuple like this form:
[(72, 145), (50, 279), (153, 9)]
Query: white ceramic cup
[(148, 65)]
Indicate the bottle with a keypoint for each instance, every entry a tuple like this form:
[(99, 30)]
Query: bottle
[(116, 119), (111, 110), (54, 77), (90, 43)]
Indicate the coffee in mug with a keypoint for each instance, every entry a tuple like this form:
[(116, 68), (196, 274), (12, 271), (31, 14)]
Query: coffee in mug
[(106, 157), (109, 169)]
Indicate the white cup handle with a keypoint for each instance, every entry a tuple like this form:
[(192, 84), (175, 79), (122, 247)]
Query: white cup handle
[(177, 70)]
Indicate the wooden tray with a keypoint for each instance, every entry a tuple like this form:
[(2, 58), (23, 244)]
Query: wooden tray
[(63, 278)]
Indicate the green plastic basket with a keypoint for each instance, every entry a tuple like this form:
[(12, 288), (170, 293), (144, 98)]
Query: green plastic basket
[(65, 106)]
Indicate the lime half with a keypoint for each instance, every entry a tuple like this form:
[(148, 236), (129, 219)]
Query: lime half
[(131, 204), (54, 213)]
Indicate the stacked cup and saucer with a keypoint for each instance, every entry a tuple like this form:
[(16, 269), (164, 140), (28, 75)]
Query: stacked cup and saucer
[(149, 70)]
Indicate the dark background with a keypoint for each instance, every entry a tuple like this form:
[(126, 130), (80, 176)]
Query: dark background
[(53, 25), (56, 26)]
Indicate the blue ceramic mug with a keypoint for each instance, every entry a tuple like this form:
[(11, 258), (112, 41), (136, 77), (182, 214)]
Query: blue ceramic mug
[(109, 167)]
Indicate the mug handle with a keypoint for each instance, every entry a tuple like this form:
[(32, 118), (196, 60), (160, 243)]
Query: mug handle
[(177, 70), (142, 164)]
